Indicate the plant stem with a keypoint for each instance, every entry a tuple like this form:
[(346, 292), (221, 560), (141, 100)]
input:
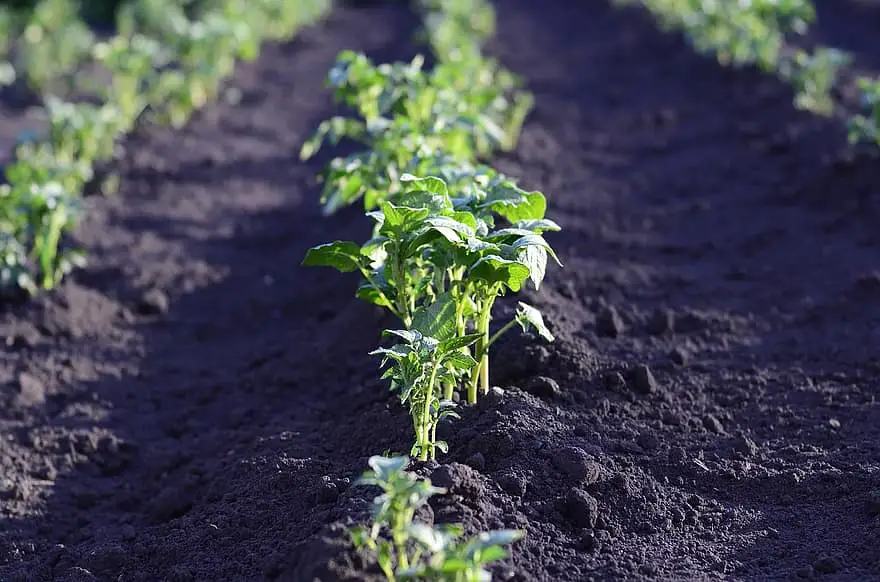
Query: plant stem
[(397, 272), (483, 350), (480, 374), (425, 429), (500, 332), (49, 252), (472, 384)]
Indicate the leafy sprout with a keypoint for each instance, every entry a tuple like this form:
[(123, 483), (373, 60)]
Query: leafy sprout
[(438, 261), (405, 549), (865, 127)]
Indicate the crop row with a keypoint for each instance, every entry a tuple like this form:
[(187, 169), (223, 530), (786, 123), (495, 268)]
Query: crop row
[(450, 236), (755, 33), (164, 63)]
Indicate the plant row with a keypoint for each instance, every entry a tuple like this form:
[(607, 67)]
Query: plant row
[(450, 236), (165, 62), (755, 33)]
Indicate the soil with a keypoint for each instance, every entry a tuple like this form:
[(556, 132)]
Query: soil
[(193, 406)]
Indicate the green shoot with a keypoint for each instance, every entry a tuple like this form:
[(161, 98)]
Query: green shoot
[(866, 126), (418, 366), (438, 263), (407, 550)]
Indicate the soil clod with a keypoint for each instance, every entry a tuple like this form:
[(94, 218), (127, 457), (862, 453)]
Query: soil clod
[(678, 356), (642, 380), (662, 322), (745, 445), (582, 509), (713, 424), (512, 483), (577, 464), (874, 502), (609, 323), (31, 391), (543, 387), (153, 302), (827, 565)]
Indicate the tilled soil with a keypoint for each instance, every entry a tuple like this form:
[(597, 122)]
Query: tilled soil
[(194, 405)]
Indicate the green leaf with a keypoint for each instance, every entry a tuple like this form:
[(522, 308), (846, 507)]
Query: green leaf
[(370, 294), (501, 537), (492, 554), (494, 269), (509, 234), (434, 540), (534, 240), (456, 343), (465, 217), (436, 320), (476, 245), (455, 565), (344, 256), (535, 258), (386, 467), (409, 336), (428, 184), (515, 204), (424, 199), (460, 360), (537, 225), (401, 217), (527, 316), (397, 352), (451, 229)]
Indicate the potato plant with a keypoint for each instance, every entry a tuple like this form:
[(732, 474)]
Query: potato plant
[(405, 549), (456, 30), (865, 127), (438, 262), (418, 367)]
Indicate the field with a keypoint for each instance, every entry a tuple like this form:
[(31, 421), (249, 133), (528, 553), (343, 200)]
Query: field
[(195, 405)]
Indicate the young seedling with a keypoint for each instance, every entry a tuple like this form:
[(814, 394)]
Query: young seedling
[(408, 550), (865, 127), (418, 366), (15, 274), (813, 76), (43, 213), (438, 264)]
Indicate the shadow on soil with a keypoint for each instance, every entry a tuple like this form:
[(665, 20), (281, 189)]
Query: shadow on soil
[(195, 377)]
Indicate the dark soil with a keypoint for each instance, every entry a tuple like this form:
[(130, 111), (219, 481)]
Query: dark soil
[(194, 405)]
